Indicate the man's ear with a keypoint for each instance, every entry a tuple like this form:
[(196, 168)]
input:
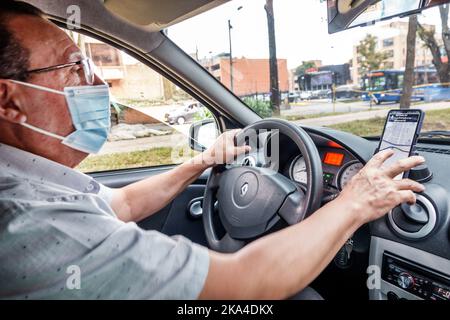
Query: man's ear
[(9, 110)]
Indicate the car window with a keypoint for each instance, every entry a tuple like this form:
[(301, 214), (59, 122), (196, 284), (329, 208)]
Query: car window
[(150, 117), (347, 80)]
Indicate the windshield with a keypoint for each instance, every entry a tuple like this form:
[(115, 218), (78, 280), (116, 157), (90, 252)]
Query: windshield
[(347, 81), (376, 83)]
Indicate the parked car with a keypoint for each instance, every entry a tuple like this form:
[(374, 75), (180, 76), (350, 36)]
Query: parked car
[(305, 95), (346, 92), (183, 115), (294, 97)]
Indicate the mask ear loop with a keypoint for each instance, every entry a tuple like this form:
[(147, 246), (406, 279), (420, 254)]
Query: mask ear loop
[(44, 132), (35, 86), (29, 126)]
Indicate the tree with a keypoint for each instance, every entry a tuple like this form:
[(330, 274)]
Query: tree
[(405, 101), (274, 85), (428, 37), (301, 69), (368, 57)]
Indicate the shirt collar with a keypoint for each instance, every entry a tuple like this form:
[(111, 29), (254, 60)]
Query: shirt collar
[(25, 165)]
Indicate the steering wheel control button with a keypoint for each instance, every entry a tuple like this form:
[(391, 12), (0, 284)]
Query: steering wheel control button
[(245, 189)]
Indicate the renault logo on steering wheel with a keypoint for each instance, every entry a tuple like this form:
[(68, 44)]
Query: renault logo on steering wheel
[(244, 189)]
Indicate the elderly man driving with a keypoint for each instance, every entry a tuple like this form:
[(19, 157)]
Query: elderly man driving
[(54, 111)]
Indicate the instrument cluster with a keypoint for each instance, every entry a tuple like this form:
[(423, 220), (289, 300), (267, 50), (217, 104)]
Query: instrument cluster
[(339, 167)]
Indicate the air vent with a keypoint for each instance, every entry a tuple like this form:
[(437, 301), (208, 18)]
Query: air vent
[(433, 150)]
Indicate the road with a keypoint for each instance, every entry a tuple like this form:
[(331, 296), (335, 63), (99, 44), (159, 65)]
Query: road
[(180, 135), (324, 106), (142, 144), (365, 115)]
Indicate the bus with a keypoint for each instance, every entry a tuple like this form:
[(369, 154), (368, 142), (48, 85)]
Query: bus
[(386, 85)]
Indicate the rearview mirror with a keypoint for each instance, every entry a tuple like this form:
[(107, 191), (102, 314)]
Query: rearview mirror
[(203, 134), (346, 14)]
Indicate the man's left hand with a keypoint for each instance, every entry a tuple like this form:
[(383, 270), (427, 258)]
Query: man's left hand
[(224, 150)]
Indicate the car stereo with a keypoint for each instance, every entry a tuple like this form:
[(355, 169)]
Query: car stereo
[(415, 279)]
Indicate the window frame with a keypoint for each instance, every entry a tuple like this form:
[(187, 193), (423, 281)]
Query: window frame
[(388, 42)]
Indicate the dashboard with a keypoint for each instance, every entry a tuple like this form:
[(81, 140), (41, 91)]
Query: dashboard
[(414, 258)]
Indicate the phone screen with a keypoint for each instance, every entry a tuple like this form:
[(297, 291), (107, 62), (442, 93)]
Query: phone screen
[(400, 132)]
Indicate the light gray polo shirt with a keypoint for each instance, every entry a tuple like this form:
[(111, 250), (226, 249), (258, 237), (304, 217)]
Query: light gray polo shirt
[(60, 239)]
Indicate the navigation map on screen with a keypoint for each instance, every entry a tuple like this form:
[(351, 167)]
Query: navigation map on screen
[(399, 134)]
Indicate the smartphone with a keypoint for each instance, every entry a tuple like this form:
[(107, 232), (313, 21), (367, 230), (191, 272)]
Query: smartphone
[(400, 133)]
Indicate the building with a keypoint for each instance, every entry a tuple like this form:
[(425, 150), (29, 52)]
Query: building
[(127, 77), (293, 84), (324, 77), (251, 77), (391, 39)]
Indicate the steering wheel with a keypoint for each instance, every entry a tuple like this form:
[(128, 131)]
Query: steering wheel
[(251, 200)]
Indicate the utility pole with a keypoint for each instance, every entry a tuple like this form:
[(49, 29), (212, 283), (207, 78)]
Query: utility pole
[(274, 84), (231, 56)]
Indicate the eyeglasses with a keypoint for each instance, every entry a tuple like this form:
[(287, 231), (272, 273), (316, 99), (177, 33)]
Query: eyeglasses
[(86, 63)]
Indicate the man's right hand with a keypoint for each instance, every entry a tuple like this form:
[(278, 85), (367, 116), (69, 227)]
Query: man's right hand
[(373, 192)]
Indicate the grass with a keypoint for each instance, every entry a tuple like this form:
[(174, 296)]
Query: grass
[(434, 120), (322, 114), (135, 159), (312, 116), (142, 103), (363, 128)]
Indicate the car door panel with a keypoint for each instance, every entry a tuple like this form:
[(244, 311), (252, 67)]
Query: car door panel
[(179, 220), (122, 178)]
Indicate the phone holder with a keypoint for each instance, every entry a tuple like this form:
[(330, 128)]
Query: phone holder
[(420, 173)]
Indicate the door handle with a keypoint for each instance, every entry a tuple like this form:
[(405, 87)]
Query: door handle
[(195, 208)]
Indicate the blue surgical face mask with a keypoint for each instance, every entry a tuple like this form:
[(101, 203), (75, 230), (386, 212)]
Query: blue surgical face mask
[(90, 110)]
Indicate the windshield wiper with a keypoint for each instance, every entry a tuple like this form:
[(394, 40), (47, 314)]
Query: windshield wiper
[(436, 134)]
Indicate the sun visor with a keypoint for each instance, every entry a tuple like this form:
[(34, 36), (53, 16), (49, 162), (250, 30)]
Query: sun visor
[(156, 14)]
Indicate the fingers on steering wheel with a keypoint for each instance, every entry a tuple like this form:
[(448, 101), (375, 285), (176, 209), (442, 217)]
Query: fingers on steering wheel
[(234, 135), (242, 149)]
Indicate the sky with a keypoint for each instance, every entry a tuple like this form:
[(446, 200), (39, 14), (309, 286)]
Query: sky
[(301, 31)]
